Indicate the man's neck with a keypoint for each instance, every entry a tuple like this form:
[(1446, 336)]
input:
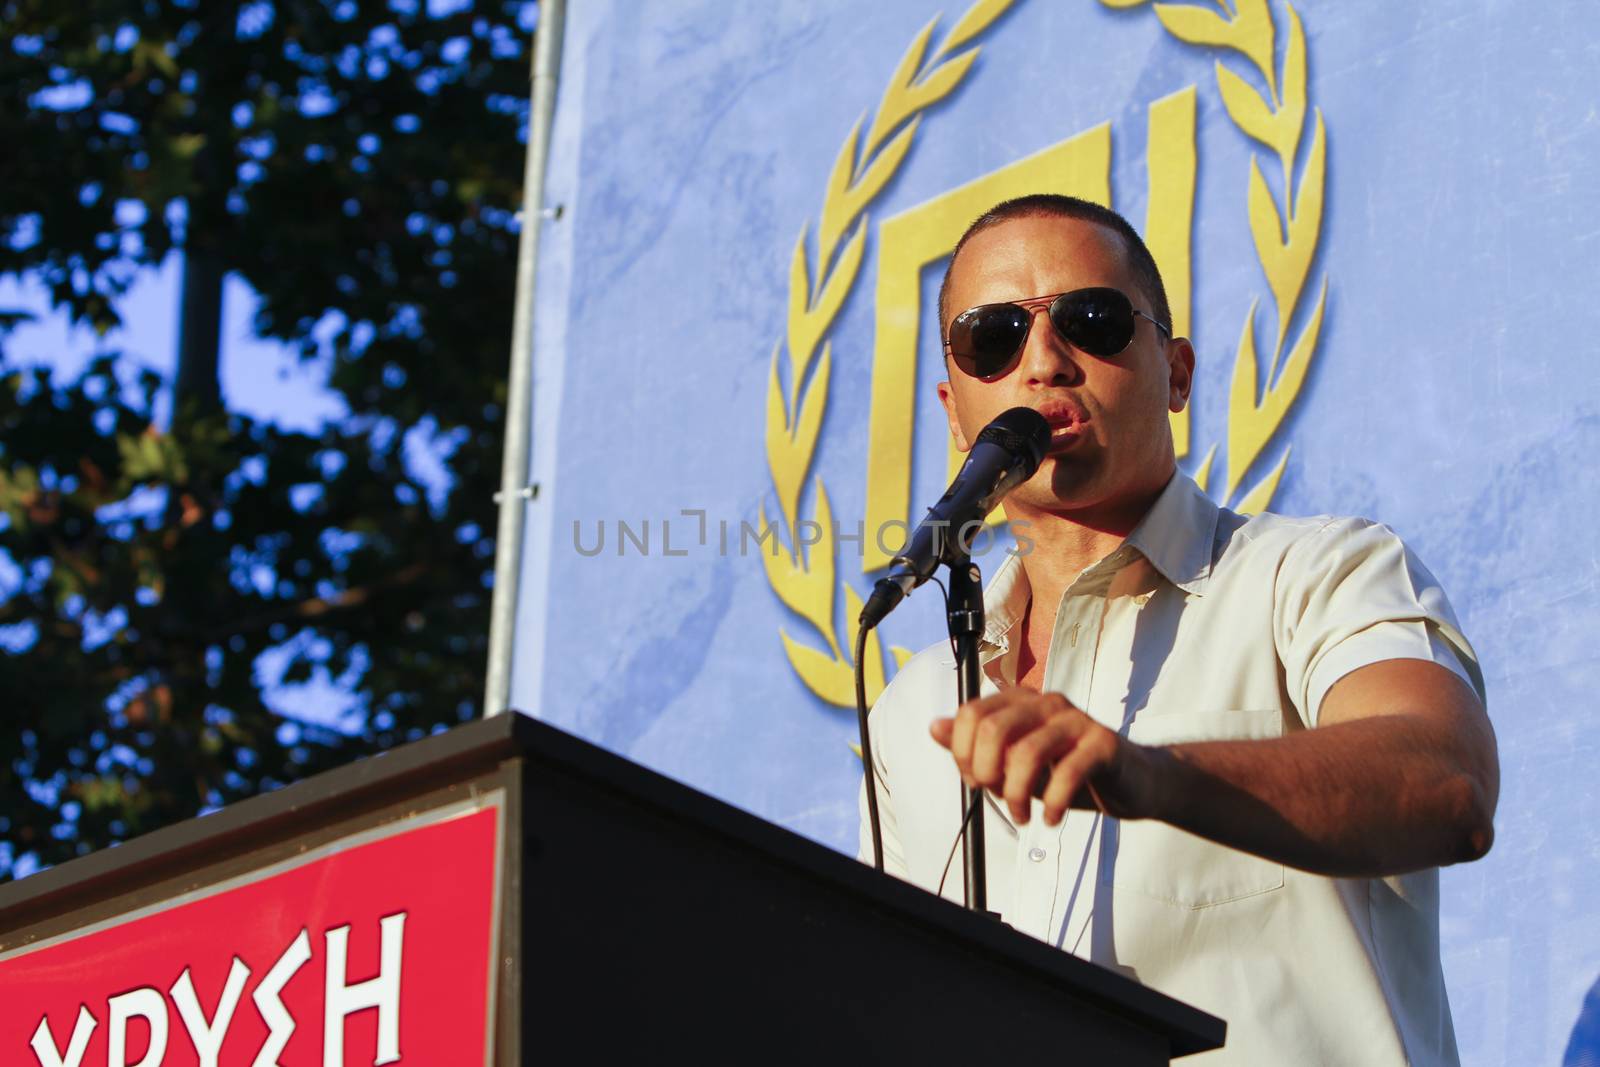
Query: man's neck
[(1065, 543)]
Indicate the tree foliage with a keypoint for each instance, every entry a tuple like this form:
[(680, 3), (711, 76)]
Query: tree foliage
[(358, 165)]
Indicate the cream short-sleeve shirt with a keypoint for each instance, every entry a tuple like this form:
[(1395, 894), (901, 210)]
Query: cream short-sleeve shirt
[(1203, 625)]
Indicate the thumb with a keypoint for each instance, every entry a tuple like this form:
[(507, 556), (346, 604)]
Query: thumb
[(942, 729)]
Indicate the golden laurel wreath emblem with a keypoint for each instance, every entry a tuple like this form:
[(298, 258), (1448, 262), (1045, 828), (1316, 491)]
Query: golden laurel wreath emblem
[(1285, 242)]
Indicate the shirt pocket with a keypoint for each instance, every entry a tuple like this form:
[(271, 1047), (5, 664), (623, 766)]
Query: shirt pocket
[(1156, 860)]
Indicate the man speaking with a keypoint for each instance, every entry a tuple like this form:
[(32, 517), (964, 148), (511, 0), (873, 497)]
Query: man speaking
[(1225, 755)]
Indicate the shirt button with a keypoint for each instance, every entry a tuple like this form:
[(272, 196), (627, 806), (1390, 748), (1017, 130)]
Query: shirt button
[(1036, 854)]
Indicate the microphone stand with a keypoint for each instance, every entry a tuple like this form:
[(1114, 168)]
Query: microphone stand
[(1007, 453), (965, 620)]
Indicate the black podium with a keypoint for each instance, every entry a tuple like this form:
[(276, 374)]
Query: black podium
[(622, 915)]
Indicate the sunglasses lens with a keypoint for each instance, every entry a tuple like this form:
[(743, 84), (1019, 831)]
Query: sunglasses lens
[(1099, 321), (984, 340)]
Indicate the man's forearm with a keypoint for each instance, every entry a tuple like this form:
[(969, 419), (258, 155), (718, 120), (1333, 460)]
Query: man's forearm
[(1400, 774), (1366, 798)]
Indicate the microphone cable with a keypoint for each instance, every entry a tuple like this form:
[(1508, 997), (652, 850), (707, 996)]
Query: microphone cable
[(871, 768), (866, 747)]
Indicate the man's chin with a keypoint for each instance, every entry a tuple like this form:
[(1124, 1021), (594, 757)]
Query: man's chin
[(1070, 479), (1060, 488), (1079, 488)]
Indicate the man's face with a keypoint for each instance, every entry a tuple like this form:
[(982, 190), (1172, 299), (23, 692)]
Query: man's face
[(1111, 446)]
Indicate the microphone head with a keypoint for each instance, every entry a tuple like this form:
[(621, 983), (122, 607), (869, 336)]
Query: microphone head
[(1021, 431)]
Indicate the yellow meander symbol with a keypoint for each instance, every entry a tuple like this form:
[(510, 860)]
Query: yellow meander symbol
[(1285, 241)]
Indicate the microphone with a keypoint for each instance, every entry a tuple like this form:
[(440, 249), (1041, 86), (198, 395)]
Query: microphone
[(1004, 456)]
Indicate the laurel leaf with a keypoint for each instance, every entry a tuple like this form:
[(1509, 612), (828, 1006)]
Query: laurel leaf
[(942, 80), (1123, 3), (819, 564), (909, 93), (1244, 442), (809, 423), (1196, 25), (1260, 498), (836, 207), (801, 341), (1249, 112), (1250, 32), (1305, 227), (1266, 223), (1253, 422), (807, 327), (826, 676), (787, 473), (1306, 223), (789, 454), (974, 22), (840, 280), (1292, 115), (1202, 474), (898, 101), (806, 586), (786, 572), (901, 655), (873, 656), (1282, 393), (1266, 226), (1287, 260), (1255, 36), (779, 551), (884, 167)]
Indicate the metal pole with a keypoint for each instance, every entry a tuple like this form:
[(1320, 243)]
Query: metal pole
[(965, 621), (515, 492)]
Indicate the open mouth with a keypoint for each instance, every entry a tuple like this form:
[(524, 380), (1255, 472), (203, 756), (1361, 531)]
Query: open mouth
[(1067, 424), (1065, 435)]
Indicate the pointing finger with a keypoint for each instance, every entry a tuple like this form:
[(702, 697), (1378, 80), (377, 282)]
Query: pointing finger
[(1029, 758), (1071, 774), (995, 736)]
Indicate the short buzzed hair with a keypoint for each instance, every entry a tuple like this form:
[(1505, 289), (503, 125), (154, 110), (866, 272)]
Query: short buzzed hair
[(1055, 205)]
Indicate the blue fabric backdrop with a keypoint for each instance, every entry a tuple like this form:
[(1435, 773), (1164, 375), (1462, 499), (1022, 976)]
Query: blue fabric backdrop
[(1449, 395)]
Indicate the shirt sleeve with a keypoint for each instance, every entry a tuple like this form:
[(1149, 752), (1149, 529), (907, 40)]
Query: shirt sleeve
[(1352, 594)]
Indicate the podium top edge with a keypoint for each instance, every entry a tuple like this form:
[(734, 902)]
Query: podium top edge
[(474, 746), (480, 747)]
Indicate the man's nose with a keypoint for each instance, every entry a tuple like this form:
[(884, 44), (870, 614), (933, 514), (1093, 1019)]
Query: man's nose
[(1047, 359)]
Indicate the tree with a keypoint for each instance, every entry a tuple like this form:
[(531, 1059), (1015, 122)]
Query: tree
[(358, 164)]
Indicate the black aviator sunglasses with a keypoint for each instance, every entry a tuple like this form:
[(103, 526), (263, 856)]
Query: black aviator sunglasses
[(987, 341)]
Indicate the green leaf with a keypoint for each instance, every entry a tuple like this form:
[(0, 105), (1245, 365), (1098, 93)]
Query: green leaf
[(157, 710)]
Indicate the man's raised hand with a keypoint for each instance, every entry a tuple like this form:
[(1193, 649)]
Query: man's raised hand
[(1023, 744)]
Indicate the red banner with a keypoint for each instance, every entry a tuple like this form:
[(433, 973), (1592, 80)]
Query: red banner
[(377, 953)]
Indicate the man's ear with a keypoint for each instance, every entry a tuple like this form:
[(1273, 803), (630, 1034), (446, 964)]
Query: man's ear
[(947, 397), (1180, 372)]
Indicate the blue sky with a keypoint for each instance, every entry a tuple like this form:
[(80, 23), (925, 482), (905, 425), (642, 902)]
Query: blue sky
[(259, 378)]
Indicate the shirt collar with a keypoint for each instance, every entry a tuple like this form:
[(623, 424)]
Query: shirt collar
[(1004, 601), (1178, 533), (1176, 536)]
